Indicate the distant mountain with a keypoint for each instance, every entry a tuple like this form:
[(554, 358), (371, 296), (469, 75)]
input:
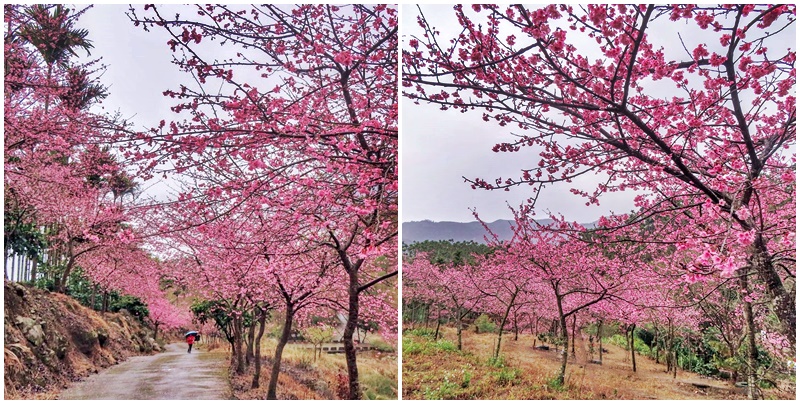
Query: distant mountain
[(472, 231)]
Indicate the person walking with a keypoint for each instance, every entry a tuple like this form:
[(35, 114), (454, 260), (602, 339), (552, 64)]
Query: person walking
[(190, 341)]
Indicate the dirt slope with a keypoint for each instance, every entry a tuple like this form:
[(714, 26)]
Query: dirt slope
[(51, 340)]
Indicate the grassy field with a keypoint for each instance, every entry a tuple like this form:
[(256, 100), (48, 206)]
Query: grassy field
[(302, 377), (437, 370)]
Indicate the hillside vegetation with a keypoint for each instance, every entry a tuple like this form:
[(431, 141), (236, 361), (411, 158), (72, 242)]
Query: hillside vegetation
[(52, 340)]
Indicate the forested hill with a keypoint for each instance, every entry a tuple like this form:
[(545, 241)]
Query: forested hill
[(457, 231), (472, 231)]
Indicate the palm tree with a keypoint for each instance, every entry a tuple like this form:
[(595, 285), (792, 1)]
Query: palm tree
[(53, 36)]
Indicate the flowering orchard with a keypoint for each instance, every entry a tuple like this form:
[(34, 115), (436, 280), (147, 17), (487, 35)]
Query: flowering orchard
[(689, 108), (282, 144), (288, 156)]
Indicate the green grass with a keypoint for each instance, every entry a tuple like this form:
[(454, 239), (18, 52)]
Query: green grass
[(426, 347)]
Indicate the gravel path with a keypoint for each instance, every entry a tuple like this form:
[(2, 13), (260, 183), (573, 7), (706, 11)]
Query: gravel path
[(170, 375)]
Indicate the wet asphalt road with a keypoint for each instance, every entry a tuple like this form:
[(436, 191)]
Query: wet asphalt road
[(170, 375)]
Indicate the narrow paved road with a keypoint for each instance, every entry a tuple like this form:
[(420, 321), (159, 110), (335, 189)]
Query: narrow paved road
[(170, 375)]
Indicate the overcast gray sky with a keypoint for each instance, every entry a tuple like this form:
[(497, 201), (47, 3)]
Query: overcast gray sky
[(139, 69), (439, 147)]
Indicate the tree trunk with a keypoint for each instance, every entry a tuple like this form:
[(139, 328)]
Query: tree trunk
[(262, 320), (276, 364), (459, 326), (5, 260), (750, 341), (238, 340), (633, 349), (34, 267), (503, 324), (668, 347), (516, 329), (104, 306), (155, 331), (436, 334), (251, 336), (564, 341), (600, 339), (347, 336), (574, 319), (655, 328), (62, 284), (783, 302)]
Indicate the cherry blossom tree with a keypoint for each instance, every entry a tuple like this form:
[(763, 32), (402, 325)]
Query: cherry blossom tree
[(698, 119), (298, 112)]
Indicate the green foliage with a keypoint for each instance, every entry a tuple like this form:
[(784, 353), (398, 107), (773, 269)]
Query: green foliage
[(412, 347), (466, 378), (445, 345), (484, 324), (446, 391), (383, 346), (414, 311), (205, 310), (319, 334), (427, 347), (422, 332), (497, 362), (132, 304), (554, 383), (378, 386), (87, 294), (506, 375), (447, 252)]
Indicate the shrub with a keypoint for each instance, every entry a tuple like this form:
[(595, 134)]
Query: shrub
[(555, 384), (497, 362), (445, 391), (466, 378), (427, 347), (506, 375), (484, 324)]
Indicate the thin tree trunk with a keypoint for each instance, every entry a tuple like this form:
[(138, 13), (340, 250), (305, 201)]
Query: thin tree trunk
[(251, 336), (503, 324), (238, 339), (34, 267), (94, 294), (516, 329), (600, 339), (459, 326), (104, 307), (62, 284), (5, 260), (262, 320), (564, 341), (752, 354), (436, 334), (668, 347), (276, 364), (633, 349), (349, 330), (574, 319), (655, 328)]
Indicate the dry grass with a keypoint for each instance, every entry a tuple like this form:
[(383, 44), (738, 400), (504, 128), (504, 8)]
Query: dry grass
[(528, 374), (302, 377)]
